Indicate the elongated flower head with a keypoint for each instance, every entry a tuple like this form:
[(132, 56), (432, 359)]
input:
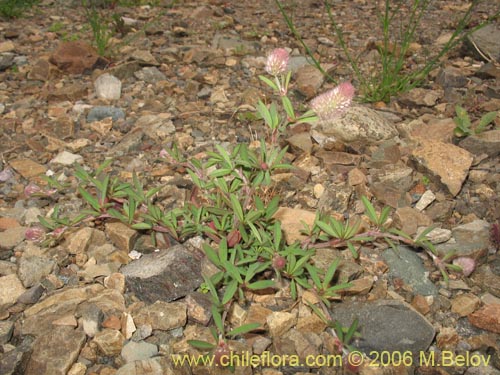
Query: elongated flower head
[(334, 102), (277, 62)]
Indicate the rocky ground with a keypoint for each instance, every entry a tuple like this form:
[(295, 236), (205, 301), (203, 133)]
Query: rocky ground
[(188, 73)]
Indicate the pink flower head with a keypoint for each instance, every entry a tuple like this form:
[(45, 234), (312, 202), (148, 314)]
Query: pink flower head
[(334, 102), (34, 233), (277, 62), (467, 264), (32, 189)]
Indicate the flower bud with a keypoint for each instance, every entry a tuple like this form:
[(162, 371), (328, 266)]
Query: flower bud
[(279, 262), (467, 264), (277, 62), (233, 238)]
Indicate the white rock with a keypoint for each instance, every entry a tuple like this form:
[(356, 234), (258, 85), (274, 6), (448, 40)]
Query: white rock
[(425, 200), (108, 87), (66, 158)]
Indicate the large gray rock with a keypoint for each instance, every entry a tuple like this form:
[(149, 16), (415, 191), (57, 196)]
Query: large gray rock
[(386, 325), (486, 41), (163, 276), (407, 265), (360, 124)]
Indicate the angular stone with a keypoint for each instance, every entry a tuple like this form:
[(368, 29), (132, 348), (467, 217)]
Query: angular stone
[(257, 314), (487, 280), (74, 57), (487, 318), (32, 269), (376, 325), (199, 307), (420, 97), (66, 158), (407, 265), (292, 222), (158, 126), (437, 235), (80, 241), (280, 322), (115, 281), (108, 87), (309, 80), (152, 366), (109, 341), (360, 124), (465, 304), (39, 317), (409, 220), (162, 315), (27, 168), (55, 353), (445, 162), (144, 57), (150, 74), (6, 329), (165, 275), (137, 351), (483, 143), (421, 305), (101, 112), (425, 200), (11, 237), (71, 92), (122, 236), (487, 40), (471, 239), (301, 142), (10, 290)]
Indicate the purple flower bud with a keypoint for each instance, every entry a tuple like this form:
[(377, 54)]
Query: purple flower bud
[(163, 153), (279, 262), (34, 234), (277, 62), (467, 264), (32, 189), (334, 102), (56, 233)]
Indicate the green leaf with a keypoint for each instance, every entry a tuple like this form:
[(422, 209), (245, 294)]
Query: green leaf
[(353, 250), (268, 82), (485, 120), (327, 228), (244, 329), (369, 210), (211, 255), (425, 232), (261, 284), (203, 345), (313, 272), (231, 289), (232, 271), (287, 105), (106, 163), (330, 272), (351, 331), (90, 199), (236, 206), (217, 319), (264, 112), (142, 226)]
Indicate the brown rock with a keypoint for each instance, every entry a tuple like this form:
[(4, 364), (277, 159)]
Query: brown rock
[(356, 177), (465, 304), (8, 222), (279, 322), (27, 167), (420, 304), (447, 338), (445, 162), (71, 92), (121, 235), (409, 219), (487, 318), (484, 143), (291, 222), (55, 352), (257, 314), (109, 341), (74, 57), (40, 70), (199, 307), (162, 315), (80, 241)]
